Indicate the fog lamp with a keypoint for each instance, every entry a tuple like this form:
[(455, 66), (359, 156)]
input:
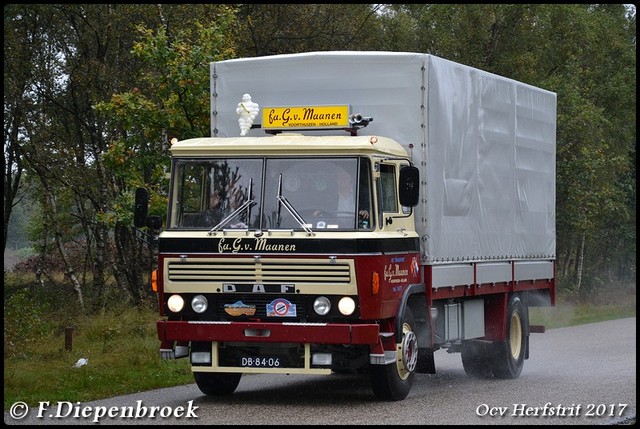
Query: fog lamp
[(322, 305), (199, 304), (346, 305), (175, 303)]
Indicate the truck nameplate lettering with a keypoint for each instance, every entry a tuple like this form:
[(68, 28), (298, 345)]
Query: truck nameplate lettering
[(257, 288), (393, 273), (305, 117), (253, 245)]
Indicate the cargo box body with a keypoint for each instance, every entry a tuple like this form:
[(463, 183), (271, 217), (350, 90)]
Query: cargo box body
[(484, 144)]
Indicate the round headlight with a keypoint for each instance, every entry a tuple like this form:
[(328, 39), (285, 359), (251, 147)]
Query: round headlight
[(199, 304), (346, 305), (322, 305), (175, 303)]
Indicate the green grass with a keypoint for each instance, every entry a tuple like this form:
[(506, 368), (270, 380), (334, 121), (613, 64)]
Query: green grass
[(123, 357), (122, 350), (615, 302), (569, 315)]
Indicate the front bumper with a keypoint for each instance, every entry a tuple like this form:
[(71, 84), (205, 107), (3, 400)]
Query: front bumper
[(293, 332), (263, 335)]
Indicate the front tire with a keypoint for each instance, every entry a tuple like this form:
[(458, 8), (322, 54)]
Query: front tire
[(217, 384), (508, 356), (393, 382)]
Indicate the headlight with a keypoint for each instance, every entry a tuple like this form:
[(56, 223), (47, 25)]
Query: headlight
[(199, 304), (175, 303), (322, 305), (347, 305)]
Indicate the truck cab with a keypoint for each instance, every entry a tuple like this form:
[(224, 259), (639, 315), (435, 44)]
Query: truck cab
[(267, 233)]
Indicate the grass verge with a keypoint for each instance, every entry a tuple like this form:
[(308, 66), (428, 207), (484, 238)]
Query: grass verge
[(121, 349)]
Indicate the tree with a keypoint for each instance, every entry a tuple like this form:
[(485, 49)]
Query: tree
[(76, 57), (584, 53), (17, 104), (269, 29), (172, 101)]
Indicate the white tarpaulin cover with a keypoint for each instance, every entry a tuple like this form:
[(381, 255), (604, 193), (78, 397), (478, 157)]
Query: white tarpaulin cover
[(485, 144)]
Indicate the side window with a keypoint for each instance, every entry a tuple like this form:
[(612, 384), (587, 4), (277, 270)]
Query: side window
[(192, 188), (389, 199)]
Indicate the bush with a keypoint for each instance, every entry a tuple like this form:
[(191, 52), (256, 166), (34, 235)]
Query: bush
[(27, 320)]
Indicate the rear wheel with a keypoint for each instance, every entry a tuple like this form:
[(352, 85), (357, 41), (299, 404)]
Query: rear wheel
[(393, 382), (508, 356), (217, 384)]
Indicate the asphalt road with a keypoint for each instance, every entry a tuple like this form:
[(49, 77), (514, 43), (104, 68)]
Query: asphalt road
[(582, 375)]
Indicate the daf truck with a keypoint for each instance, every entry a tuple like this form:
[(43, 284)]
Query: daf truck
[(358, 212)]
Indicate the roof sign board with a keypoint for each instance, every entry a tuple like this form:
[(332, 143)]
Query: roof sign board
[(305, 117)]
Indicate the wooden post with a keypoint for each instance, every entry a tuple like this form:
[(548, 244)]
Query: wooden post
[(68, 338)]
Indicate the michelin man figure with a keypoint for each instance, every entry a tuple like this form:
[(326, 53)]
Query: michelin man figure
[(247, 111)]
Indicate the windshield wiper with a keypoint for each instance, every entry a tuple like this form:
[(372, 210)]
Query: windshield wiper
[(244, 206), (282, 201)]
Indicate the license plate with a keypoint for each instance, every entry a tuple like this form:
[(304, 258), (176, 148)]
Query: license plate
[(261, 362)]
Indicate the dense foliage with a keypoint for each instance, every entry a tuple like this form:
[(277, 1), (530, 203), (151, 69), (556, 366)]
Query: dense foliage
[(94, 93)]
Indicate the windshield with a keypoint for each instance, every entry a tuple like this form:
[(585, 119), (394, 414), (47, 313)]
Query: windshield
[(271, 193)]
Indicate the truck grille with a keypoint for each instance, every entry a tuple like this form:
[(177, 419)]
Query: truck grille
[(265, 271)]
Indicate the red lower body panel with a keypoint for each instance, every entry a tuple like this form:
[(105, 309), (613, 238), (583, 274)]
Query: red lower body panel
[(317, 333)]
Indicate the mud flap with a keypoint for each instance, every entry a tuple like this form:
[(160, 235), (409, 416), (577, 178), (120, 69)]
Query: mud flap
[(426, 362)]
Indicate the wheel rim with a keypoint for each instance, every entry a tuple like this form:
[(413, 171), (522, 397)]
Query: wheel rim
[(407, 352), (515, 335)]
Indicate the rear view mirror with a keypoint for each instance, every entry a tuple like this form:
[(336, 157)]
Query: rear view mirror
[(141, 208), (409, 186)]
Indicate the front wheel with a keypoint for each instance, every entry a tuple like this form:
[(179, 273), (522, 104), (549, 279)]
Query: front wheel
[(217, 384), (393, 382), (508, 355)]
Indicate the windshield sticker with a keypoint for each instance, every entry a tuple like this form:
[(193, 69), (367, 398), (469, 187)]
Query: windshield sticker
[(415, 267)]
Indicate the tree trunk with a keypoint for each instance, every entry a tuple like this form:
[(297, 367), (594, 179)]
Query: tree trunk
[(580, 264), (133, 263), (57, 236), (100, 229)]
